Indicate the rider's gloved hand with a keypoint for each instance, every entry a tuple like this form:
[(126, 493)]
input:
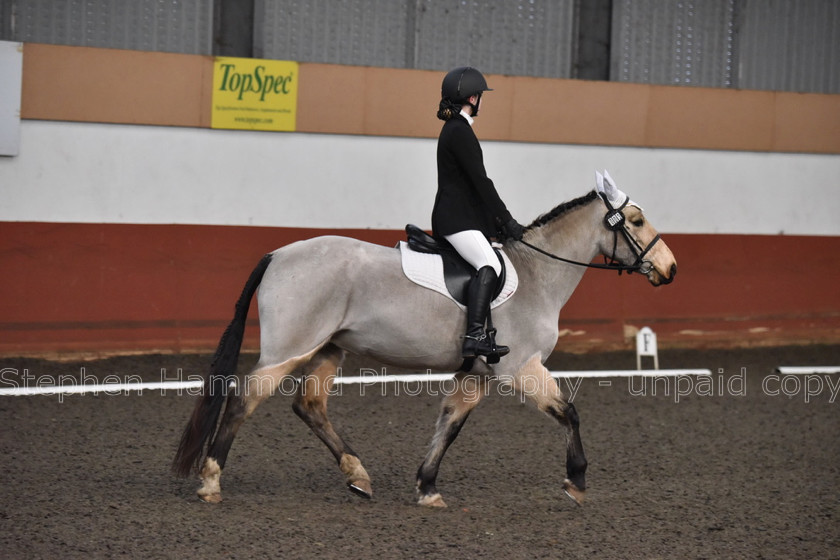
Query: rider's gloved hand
[(513, 230)]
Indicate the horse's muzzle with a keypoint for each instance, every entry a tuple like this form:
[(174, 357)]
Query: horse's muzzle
[(673, 272), (658, 279)]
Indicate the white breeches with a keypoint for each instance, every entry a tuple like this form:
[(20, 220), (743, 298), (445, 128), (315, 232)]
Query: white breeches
[(476, 250)]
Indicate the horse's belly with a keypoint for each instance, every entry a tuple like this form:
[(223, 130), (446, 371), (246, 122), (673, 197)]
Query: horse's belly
[(420, 332)]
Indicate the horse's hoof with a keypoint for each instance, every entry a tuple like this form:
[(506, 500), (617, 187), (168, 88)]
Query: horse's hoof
[(572, 491), (213, 498), (361, 488), (432, 500), (357, 478)]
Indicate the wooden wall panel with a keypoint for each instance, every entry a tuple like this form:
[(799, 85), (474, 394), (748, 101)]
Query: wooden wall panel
[(104, 85), (721, 119), (118, 86)]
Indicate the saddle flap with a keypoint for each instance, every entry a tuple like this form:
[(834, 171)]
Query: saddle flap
[(457, 272), (440, 268)]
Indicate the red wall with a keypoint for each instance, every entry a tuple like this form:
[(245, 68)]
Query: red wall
[(116, 287)]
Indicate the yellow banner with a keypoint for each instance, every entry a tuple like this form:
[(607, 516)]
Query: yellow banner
[(254, 94)]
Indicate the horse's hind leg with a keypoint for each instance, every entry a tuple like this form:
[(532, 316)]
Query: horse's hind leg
[(242, 401), (535, 382), (456, 407), (310, 405)]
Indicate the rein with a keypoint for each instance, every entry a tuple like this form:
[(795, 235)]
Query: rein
[(614, 220)]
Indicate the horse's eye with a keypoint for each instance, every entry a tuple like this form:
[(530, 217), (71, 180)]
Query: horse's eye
[(638, 222)]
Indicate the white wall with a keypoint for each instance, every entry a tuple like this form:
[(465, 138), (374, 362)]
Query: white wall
[(74, 172)]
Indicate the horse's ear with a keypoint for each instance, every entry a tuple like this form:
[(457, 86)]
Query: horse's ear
[(615, 195), (610, 187), (599, 182), (607, 187), (609, 180)]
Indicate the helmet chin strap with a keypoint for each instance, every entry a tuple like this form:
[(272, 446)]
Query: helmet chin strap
[(474, 107)]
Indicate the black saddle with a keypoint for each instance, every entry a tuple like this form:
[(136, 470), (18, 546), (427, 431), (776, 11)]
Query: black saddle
[(456, 271)]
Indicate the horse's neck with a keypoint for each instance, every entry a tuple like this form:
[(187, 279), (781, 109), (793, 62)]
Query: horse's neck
[(573, 236)]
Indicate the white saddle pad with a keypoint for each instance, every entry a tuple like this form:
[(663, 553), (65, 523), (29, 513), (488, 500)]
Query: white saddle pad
[(426, 270)]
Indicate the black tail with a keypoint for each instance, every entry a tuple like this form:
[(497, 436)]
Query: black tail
[(201, 427)]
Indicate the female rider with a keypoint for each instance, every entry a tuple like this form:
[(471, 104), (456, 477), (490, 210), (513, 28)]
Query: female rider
[(468, 211)]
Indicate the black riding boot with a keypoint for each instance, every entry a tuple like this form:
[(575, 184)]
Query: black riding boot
[(477, 342)]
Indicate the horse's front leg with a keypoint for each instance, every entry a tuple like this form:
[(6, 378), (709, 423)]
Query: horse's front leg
[(534, 381), (456, 407)]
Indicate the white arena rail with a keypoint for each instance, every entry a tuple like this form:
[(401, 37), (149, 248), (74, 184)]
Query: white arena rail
[(341, 380)]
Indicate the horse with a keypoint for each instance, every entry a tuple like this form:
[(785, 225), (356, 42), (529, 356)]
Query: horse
[(322, 297)]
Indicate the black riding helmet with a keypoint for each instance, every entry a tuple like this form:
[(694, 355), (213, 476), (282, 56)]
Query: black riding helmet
[(462, 83)]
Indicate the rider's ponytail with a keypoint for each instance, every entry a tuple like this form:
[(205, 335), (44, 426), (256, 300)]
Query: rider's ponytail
[(447, 109)]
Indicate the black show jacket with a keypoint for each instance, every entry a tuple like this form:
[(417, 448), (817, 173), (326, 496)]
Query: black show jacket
[(466, 197)]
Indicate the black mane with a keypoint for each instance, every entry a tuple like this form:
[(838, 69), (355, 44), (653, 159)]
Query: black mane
[(562, 209)]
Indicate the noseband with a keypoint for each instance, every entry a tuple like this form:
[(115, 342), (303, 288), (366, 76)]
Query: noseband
[(615, 221)]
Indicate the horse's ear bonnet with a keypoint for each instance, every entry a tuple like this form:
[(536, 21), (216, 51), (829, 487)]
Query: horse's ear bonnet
[(607, 188), (615, 200)]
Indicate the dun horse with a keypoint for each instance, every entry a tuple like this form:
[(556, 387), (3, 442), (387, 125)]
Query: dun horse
[(321, 297)]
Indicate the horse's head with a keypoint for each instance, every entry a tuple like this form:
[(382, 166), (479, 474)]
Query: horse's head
[(634, 241)]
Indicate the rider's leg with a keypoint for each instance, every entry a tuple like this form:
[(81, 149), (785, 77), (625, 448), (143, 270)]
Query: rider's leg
[(476, 250), (477, 342)]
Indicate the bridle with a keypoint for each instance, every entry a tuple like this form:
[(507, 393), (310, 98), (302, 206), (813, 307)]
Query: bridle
[(615, 221)]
